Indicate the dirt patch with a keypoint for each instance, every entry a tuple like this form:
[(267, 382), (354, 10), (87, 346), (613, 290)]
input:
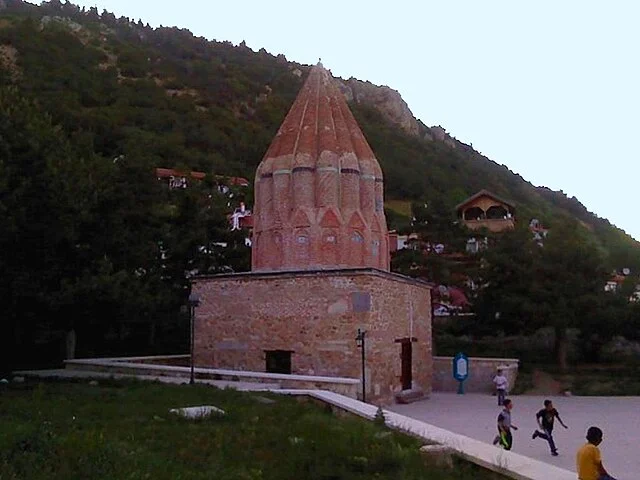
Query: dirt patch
[(9, 61), (544, 384), (111, 61)]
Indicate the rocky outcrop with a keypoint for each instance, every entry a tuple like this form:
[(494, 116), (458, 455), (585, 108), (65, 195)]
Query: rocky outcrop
[(440, 134), (389, 102), (384, 99)]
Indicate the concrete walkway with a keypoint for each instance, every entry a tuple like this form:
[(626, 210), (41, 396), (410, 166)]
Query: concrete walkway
[(474, 415)]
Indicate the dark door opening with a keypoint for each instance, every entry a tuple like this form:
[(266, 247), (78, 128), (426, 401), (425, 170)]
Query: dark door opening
[(278, 361), (407, 378), (406, 354)]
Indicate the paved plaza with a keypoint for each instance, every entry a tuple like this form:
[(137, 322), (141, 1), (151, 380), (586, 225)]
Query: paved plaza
[(474, 415)]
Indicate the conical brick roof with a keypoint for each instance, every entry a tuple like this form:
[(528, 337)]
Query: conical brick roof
[(319, 192)]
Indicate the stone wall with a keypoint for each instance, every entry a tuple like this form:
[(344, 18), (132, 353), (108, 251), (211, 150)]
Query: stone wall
[(481, 373), (316, 315)]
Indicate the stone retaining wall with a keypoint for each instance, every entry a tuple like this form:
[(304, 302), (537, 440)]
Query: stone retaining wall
[(349, 387), (481, 372)]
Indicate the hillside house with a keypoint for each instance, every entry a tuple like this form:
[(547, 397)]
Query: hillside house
[(538, 230), (449, 301), (241, 217), (486, 210), (178, 179), (400, 242), (615, 282), (617, 279)]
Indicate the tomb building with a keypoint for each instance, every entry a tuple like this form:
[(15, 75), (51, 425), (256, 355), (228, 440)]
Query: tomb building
[(320, 268)]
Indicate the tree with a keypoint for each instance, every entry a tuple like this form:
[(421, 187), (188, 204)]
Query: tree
[(527, 286), (569, 280), (505, 302), (610, 314), (43, 199)]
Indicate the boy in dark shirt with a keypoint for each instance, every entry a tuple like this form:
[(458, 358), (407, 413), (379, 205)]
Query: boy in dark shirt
[(545, 418)]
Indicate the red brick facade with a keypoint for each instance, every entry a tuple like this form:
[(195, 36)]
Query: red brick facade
[(316, 314), (318, 190)]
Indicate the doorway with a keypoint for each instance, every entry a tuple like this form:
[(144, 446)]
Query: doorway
[(278, 361), (406, 356)]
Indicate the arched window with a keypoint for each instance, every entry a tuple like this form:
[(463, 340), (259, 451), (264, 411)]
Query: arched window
[(474, 213), (301, 247), (497, 212), (357, 248), (276, 246), (329, 248), (375, 247)]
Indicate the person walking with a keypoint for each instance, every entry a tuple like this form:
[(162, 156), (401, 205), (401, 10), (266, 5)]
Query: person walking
[(504, 437), (545, 419), (500, 382), (588, 459)]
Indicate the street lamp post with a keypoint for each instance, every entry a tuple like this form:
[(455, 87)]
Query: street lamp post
[(361, 343), (194, 301)]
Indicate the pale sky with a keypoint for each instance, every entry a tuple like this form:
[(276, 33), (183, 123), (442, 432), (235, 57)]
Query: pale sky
[(548, 88)]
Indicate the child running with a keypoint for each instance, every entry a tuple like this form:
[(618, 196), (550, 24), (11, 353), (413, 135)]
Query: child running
[(504, 437), (545, 419)]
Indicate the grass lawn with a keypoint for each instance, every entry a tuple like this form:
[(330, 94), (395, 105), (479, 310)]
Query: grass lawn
[(401, 207), (123, 430)]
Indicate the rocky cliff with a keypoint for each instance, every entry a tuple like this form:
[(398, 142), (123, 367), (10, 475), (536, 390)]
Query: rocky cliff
[(384, 99), (393, 108)]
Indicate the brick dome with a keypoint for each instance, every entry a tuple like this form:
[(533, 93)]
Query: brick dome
[(318, 190)]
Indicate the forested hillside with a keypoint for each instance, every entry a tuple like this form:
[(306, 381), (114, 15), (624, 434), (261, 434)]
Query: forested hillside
[(163, 94), (91, 104)]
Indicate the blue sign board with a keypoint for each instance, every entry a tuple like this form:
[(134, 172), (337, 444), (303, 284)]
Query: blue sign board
[(460, 367)]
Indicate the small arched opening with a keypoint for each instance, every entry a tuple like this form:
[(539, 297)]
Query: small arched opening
[(357, 249), (474, 213), (329, 247), (497, 212)]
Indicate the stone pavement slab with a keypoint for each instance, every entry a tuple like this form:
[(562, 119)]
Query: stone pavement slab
[(474, 415), (198, 412)]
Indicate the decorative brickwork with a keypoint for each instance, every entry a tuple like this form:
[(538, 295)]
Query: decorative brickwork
[(318, 190), (316, 314)]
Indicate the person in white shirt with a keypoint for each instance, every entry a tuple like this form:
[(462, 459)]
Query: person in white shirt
[(500, 382)]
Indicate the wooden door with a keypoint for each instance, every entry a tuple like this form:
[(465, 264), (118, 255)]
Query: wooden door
[(405, 355)]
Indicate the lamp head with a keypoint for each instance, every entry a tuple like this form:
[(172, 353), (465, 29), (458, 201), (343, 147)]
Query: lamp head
[(194, 299)]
